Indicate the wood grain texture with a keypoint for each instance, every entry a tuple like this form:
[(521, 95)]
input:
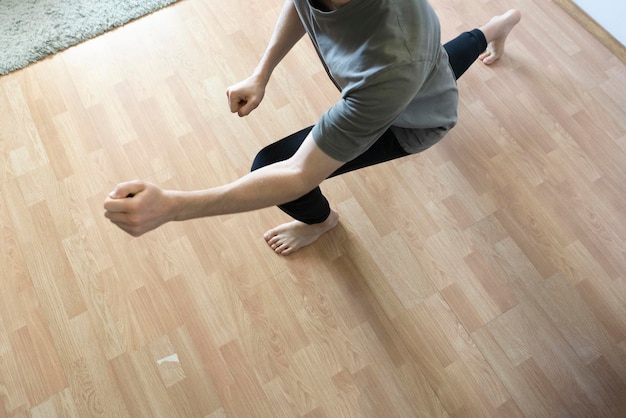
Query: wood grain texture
[(484, 277)]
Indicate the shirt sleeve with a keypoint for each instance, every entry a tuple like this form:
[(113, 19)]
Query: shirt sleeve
[(364, 113)]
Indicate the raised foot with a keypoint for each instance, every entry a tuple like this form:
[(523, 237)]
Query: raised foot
[(496, 32), (289, 237)]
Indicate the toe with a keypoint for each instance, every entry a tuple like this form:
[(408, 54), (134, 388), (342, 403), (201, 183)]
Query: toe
[(281, 249), (489, 59), (271, 239)]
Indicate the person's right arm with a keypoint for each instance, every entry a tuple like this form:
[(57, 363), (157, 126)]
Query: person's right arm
[(138, 207), (246, 95)]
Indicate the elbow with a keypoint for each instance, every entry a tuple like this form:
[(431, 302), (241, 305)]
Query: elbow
[(301, 181), (303, 184)]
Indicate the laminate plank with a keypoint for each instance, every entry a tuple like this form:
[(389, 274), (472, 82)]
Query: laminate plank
[(483, 277)]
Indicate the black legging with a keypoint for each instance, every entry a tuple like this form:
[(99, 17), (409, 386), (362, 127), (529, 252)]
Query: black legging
[(313, 207)]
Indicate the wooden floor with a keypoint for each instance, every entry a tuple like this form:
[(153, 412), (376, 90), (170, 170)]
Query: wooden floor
[(485, 277)]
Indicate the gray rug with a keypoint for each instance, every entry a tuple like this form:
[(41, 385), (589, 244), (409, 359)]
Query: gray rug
[(33, 29)]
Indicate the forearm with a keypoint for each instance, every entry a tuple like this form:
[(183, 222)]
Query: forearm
[(287, 32), (268, 186), (271, 185)]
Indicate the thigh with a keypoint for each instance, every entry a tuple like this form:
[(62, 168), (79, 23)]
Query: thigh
[(386, 148), (280, 150)]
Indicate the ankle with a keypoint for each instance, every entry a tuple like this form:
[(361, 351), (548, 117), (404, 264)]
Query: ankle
[(331, 220)]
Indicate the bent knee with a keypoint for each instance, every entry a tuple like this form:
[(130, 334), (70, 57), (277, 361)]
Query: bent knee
[(271, 154), (280, 150), (263, 158)]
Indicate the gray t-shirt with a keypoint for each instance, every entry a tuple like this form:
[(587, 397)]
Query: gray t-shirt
[(386, 58)]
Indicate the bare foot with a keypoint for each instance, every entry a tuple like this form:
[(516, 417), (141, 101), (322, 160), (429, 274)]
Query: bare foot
[(291, 236), (496, 31)]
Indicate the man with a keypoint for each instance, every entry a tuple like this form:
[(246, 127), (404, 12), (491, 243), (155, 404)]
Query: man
[(398, 97)]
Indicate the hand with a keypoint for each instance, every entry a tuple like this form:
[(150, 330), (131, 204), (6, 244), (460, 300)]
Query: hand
[(246, 95), (138, 207)]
